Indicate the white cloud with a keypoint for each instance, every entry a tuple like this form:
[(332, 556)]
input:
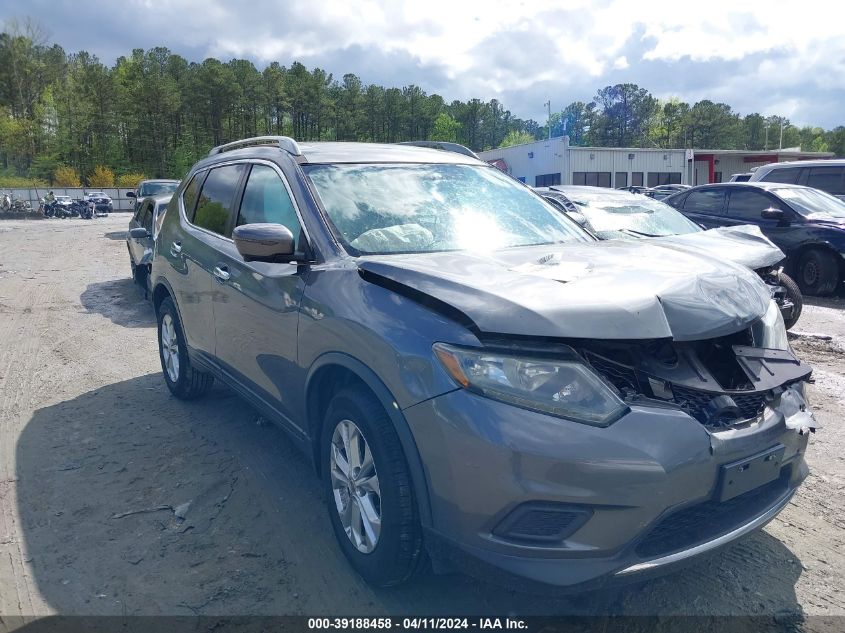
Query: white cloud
[(524, 52)]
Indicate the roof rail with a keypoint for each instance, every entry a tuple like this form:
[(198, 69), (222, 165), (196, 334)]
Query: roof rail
[(445, 146), (285, 143)]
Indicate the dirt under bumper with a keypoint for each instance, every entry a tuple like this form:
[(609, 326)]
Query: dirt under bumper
[(638, 498)]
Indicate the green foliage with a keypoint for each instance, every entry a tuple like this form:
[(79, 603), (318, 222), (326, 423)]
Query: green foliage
[(101, 177), (445, 128), (130, 181), (65, 176), (153, 112), (517, 138), (11, 181)]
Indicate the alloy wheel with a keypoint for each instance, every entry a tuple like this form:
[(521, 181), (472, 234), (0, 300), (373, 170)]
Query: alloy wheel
[(355, 486), (170, 348)]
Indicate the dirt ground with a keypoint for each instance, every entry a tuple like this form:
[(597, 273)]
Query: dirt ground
[(117, 499)]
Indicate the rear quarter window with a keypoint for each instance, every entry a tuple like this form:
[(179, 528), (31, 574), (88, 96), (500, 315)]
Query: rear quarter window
[(786, 175), (191, 194), (827, 179)]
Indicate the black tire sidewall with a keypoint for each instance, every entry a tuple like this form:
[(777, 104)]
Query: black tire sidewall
[(387, 564), (827, 273)]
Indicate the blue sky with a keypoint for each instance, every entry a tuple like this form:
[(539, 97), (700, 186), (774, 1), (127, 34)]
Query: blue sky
[(777, 58)]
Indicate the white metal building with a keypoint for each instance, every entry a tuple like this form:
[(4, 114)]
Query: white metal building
[(555, 162)]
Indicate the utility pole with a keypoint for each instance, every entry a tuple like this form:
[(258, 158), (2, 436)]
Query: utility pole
[(780, 145), (766, 146), (548, 104)]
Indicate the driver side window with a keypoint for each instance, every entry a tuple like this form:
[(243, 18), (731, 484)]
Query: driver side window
[(748, 204), (266, 199)]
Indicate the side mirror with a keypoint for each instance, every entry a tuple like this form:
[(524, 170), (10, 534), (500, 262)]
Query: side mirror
[(131, 194), (139, 233), (774, 214), (265, 243)]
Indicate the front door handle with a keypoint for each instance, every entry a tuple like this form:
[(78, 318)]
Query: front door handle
[(222, 273), (176, 249)]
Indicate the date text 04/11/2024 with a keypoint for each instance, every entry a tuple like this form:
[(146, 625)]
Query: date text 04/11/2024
[(418, 623)]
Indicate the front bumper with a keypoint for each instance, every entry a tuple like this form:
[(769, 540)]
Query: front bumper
[(655, 469)]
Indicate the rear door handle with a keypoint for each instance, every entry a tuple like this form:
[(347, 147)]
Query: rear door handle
[(222, 273), (176, 249)]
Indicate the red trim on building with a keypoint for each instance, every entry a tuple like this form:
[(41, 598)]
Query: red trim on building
[(710, 159), (500, 163)]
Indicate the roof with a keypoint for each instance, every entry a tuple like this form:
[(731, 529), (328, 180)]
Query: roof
[(334, 152), (835, 162), (159, 180), (763, 152), (759, 184), (331, 152)]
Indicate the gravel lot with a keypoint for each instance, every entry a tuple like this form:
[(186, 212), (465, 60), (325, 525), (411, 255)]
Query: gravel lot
[(117, 499)]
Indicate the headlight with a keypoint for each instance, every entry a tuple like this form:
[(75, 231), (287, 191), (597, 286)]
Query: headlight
[(563, 388), (770, 332)]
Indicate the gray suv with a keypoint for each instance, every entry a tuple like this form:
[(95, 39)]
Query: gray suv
[(477, 382)]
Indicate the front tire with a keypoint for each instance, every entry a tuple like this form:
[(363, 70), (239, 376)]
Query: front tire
[(793, 293), (368, 486), (818, 272), (184, 382)]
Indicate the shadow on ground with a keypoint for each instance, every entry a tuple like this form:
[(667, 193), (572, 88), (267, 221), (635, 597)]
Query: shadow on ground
[(121, 301), (132, 502), (116, 235)]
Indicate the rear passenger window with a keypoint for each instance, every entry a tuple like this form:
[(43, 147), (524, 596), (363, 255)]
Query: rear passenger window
[(146, 219), (266, 200), (787, 176), (216, 197), (705, 201), (827, 179), (190, 195)]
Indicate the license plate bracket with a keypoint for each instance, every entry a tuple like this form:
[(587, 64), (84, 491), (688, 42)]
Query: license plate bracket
[(751, 472)]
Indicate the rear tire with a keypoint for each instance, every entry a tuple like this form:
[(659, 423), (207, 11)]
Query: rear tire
[(184, 382), (396, 553), (818, 272)]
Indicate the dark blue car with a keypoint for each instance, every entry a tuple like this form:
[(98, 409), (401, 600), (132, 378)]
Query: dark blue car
[(807, 224)]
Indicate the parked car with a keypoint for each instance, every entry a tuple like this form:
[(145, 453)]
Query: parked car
[(635, 189), (101, 204), (157, 187), (140, 239), (745, 177), (663, 191), (827, 175), (808, 225), (472, 375), (611, 214)]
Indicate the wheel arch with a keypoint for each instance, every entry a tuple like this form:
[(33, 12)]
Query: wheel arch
[(823, 246), (333, 371)]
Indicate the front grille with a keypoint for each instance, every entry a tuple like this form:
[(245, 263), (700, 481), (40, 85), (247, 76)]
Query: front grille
[(695, 402), (711, 519)]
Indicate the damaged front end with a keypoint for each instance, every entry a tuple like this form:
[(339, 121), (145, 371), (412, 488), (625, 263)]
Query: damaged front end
[(724, 382)]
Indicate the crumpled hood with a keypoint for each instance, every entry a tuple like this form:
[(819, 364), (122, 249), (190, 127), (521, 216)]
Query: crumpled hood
[(607, 290), (744, 244)]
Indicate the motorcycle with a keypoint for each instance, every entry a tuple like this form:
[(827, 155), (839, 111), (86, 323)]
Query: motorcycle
[(81, 209)]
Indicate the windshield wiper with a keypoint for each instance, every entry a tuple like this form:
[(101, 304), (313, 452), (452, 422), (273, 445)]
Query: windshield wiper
[(639, 233)]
